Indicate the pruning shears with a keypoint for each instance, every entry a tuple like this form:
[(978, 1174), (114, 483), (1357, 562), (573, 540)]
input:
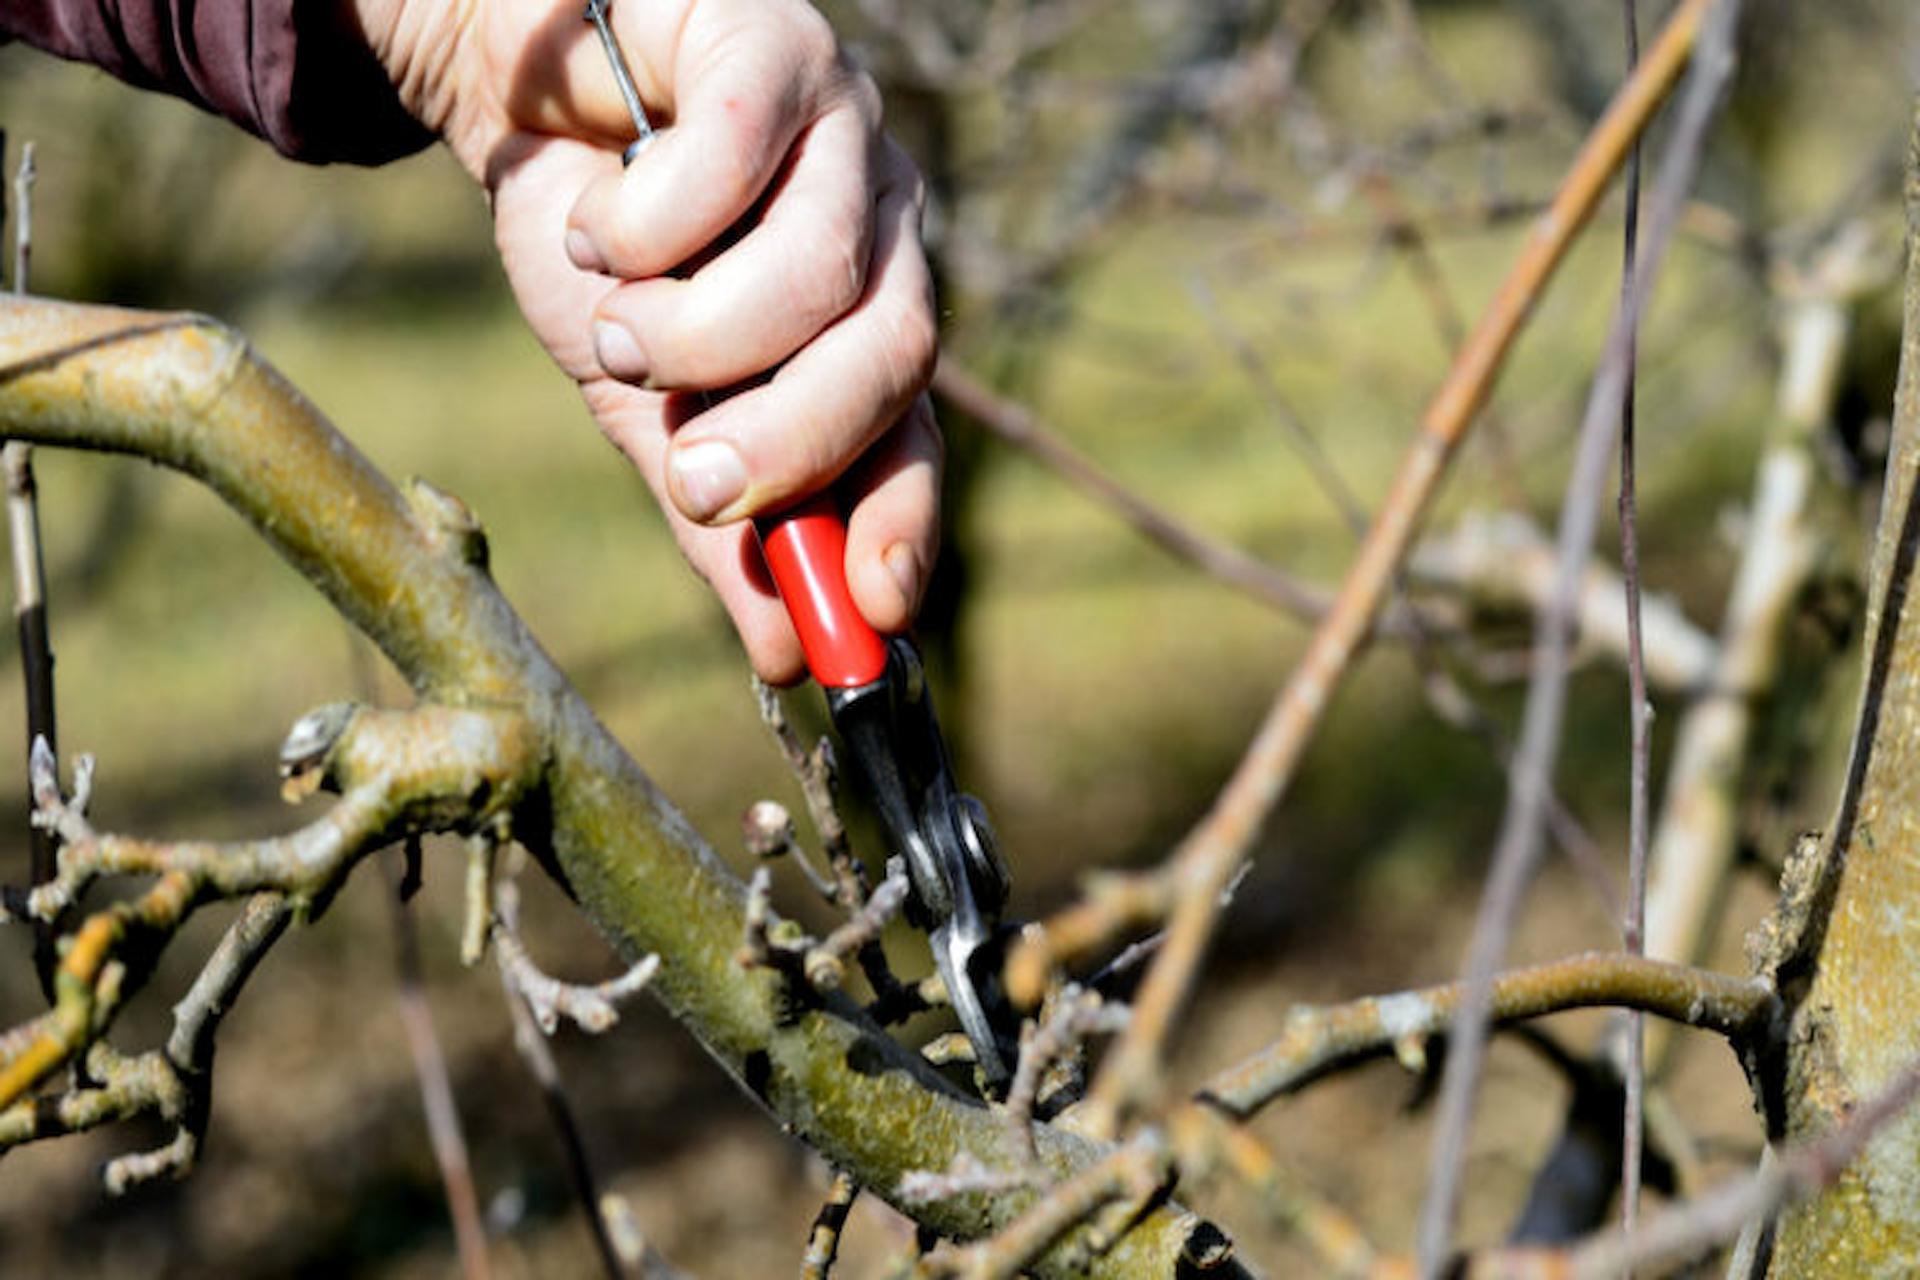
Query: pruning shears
[(877, 695), (883, 712)]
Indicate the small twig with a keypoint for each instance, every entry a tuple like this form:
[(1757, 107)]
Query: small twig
[(1640, 705), (23, 218), (173, 1083), (531, 1044), (483, 852), (1518, 844), (1076, 1015), (593, 1008), (823, 1241), (814, 771), (1403, 231), (396, 771), (29, 583), (1212, 854), (436, 1095), (1015, 425), (1718, 1216), (1128, 1175), (825, 963), (966, 1176), (770, 941), (1305, 443), (767, 830), (1317, 1041)]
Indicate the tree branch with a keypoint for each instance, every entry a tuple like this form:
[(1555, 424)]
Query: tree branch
[(1210, 856), (410, 573), (1683, 1231), (1317, 1041), (1516, 850)]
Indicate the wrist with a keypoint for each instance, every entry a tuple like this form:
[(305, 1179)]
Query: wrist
[(422, 44)]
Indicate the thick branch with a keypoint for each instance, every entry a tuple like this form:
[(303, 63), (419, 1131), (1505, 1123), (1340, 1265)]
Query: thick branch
[(189, 394)]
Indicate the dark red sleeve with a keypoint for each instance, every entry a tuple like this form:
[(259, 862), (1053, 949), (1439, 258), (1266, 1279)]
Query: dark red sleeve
[(292, 71)]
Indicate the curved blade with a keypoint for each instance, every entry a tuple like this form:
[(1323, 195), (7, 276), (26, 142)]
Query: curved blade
[(954, 949)]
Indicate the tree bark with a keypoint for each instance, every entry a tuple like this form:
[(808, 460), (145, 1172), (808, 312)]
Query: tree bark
[(410, 571), (1846, 945)]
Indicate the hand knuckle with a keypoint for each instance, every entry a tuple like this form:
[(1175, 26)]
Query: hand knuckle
[(917, 344), (867, 99), (813, 40), (840, 263)]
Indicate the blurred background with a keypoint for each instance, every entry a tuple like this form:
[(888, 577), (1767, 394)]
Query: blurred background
[(1190, 238)]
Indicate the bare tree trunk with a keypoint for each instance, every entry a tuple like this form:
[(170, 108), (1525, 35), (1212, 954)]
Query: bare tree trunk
[(1846, 944)]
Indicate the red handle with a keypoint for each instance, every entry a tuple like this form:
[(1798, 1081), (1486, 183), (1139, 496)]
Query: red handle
[(806, 548)]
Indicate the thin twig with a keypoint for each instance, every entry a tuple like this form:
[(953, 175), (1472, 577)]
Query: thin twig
[(767, 830), (23, 218), (29, 583), (593, 1008), (1404, 233), (825, 962), (1014, 424), (436, 1097), (1516, 850), (823, 1241), (1305, 443), (1212, 854), (1640, 705), (173, 1083), (1076, 1014), (1320, 1040), (815, 772), (1131, 1172), (531, 1044), (1685, 1230)]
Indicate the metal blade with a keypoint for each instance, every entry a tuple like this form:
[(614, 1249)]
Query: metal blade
[(953, 951)]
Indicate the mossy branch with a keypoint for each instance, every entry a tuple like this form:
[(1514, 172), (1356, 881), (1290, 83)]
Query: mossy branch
[(410, 571)]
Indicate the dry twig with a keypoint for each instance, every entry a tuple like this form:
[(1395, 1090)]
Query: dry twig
[(1639, 705), (1515, 852), (444, 1133), (1319, 1040), (30, 579), (1684, 1231), (823, 1240), (530, 1041), (815, 772), (593, 1008), (1189, 886)]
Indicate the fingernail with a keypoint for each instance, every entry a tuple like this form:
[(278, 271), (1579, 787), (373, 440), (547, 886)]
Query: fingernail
[(708, 477), (619, 351), (905, 568), (581, 253)]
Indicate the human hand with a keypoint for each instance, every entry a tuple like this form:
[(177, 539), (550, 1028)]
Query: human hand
[(769, 227)]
